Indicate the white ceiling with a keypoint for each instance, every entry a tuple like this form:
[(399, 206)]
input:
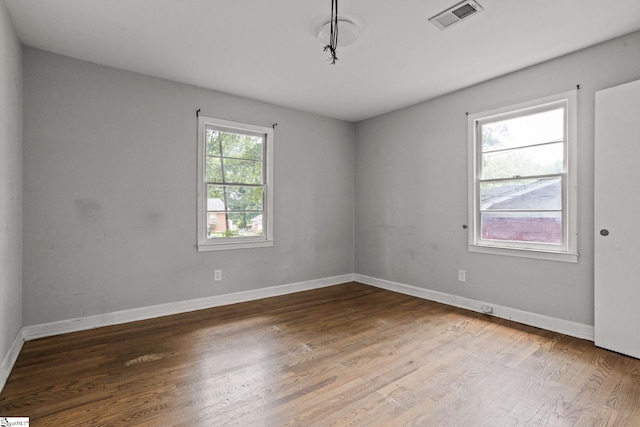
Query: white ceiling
[(268, 49)]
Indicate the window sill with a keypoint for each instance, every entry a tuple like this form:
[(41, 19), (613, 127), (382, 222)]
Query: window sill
[(223, 246), (526, 253)]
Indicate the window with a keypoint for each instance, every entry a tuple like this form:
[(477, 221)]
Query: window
[(235, 190), (522, 180)]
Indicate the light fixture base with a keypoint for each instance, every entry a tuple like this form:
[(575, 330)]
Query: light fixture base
[(347, 32)]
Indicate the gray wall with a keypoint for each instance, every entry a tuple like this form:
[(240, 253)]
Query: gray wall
[(109, 200), (411, 189), (10, 183), (109, 193)]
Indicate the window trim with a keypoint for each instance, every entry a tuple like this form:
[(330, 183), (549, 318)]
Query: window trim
[(203, 243), (568, 252)]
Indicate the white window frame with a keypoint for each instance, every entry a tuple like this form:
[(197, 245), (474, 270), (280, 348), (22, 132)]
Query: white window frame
[(203, 243), (567, 252)]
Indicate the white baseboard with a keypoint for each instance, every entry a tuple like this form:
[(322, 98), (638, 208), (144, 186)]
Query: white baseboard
[(27, 333), (10, 359), (73, 325), (578, 330), (150, 312), (566, 327)]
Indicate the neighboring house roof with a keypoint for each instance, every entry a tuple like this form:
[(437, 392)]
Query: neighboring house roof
[(257, 220), (215, 204), (540, 195)]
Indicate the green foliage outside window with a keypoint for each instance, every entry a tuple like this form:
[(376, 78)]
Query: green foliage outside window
[(235, 176)]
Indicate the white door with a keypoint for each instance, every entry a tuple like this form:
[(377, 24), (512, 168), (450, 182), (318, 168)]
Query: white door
[(617, 219)]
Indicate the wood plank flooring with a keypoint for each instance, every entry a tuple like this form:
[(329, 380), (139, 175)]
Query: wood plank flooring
[(339, 356)]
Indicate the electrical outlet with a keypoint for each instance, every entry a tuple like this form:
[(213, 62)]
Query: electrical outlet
[(217, 275), (462, 276)]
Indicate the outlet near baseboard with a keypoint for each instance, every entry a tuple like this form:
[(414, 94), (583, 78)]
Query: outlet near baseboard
[(462, 276)]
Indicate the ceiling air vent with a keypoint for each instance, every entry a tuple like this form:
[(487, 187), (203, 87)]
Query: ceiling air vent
[(455, 14)]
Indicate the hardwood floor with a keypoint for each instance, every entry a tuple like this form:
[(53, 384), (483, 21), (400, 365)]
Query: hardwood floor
[(344, 355)]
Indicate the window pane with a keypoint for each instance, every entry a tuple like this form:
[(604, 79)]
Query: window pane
[(237, 198), (522, 194), (244, 198), (215, 192), (532, 129), (214, 169), (242, 171), (246, 223), (212, 144), (241, 146), (537, 160), (532, 227), (216, 224), (233, 224)]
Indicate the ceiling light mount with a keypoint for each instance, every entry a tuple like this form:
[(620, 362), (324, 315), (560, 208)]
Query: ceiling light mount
[(348, 32), (328, 32)]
